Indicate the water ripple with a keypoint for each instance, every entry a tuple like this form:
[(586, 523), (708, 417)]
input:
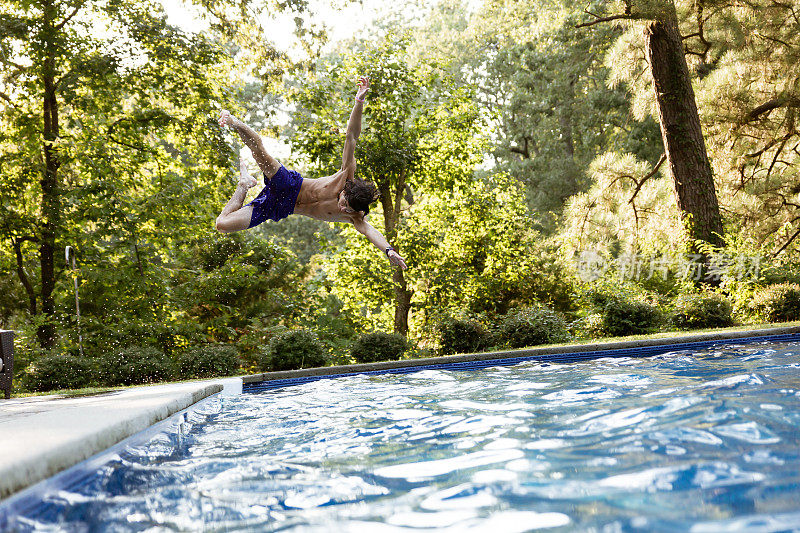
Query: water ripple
[(683, 441)]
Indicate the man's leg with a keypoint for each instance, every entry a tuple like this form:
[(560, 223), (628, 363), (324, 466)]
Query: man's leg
[(268, 165), (234, 217)]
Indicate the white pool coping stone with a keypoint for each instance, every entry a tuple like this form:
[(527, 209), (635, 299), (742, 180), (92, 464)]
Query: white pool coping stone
[(523, 352), (41, 436)]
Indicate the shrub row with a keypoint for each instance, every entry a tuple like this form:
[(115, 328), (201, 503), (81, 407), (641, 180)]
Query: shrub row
[(134, 365), (518, 329), (302, 349)]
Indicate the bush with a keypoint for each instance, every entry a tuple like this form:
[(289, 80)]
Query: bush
[(702, 310), (52, 372), (462, 336), (629, 317), (623, 311), (209, 361), (379, 346), (135, 365), (778, 303), (532, 326), (292, 350)]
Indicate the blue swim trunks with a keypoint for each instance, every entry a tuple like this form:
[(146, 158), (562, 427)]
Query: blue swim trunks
[(277, 199)]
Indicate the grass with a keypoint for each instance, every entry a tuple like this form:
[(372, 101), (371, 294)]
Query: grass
[(68, 393), (94, 391)]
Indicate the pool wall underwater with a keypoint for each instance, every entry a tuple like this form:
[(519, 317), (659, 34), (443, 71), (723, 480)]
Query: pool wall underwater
[(172, 426)]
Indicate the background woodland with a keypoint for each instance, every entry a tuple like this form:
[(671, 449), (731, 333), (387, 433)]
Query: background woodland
[(608, 169)]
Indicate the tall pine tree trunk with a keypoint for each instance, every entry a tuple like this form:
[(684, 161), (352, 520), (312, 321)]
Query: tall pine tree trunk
[(680, 130)]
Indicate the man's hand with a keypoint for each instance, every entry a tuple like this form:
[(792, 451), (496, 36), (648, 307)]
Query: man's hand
[(225, 118), (396, 259), (363, 87)]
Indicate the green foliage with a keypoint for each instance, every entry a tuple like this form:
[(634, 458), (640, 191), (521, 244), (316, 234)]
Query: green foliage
[(532, 326), (777, 303), (106, 145), (546, 85), (462, 335), (134, 365), (139, 171), (58, 371), (246, 279), (618, 214), (476, 249), (702, 310), (208, 361), (336, 329), (293, 350), (622, 310), (379, 346), (472, 250)]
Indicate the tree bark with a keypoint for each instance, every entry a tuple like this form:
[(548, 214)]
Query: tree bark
[(51, 199), (23, 276), (565, 124), (391, 201), (684, 145), (402, 302)]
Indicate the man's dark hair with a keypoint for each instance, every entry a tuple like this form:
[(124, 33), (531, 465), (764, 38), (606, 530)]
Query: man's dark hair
[(360, 194)]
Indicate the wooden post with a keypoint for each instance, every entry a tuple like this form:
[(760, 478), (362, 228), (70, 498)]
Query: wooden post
[(7, 360)]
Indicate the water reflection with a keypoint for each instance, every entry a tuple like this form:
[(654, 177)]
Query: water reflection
[(681, 441)]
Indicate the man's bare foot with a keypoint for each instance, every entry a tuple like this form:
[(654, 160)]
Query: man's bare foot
[(245, 179)]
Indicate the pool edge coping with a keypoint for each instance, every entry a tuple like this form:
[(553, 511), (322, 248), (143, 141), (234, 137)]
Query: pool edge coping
[(18, 475), (518, 353)]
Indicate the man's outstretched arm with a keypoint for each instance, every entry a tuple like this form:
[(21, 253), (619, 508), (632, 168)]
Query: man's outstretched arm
[(380, 242), (354, 129)]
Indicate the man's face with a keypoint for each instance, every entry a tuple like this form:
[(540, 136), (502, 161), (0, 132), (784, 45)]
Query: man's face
[(344, 207)]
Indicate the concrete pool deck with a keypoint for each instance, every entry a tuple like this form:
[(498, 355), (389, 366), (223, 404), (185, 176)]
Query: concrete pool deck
[(44, 435), (41, 436)]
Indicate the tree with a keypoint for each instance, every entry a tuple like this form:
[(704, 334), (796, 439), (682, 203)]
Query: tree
[(684, 146), (475, 250), (418, 137), (542, 82), (745, 61), (100, 134)]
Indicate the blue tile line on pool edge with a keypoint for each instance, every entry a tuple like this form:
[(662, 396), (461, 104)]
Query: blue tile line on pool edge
[(641, 351)]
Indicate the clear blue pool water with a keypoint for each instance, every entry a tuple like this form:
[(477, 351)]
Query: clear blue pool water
[(702, 442)]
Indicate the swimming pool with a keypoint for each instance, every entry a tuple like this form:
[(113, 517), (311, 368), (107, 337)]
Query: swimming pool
[(683, 441)]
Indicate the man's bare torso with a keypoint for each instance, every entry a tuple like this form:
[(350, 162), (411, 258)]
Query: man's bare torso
[(319, 198)]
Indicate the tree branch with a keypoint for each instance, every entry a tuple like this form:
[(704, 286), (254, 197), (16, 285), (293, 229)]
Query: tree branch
[(63, 23), (647, 177), (775, 103), (5, 97), (22, 275), (522, 151), (600, 20), (786, 244)]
